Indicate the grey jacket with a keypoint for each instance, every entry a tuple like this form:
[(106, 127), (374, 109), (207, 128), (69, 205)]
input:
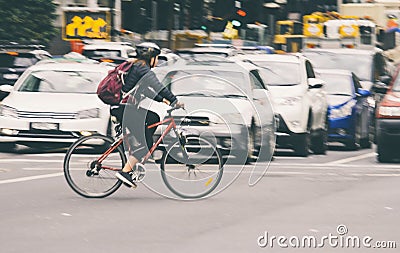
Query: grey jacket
[(146, 83)]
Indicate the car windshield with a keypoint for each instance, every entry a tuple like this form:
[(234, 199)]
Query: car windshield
[(17, 60), (206, 83), (277, 73), (360, 64), (102, 53), (51, 81), (337, 84)]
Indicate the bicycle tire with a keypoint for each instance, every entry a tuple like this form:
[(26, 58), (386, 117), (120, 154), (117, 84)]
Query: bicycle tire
[(77, 167), (183, 187)]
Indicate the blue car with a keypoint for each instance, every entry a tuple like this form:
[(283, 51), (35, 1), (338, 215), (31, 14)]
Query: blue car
[(348, 111)]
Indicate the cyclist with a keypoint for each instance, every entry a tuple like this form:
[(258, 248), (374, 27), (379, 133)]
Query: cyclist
[(144, 81)]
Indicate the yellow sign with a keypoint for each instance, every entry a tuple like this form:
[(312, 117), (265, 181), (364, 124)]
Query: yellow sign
[(86, 25)]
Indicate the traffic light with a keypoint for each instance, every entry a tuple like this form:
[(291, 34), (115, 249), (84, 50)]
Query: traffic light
[(241, 13), (236, 23)]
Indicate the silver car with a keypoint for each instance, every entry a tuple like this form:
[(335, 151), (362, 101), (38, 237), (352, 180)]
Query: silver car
[(227, 101)]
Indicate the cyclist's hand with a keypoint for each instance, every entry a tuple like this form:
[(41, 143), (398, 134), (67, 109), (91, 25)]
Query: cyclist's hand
[(165, 101), (180, 105)]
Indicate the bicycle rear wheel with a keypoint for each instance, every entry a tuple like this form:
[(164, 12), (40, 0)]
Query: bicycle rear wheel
[(85, 174), (196, 175)]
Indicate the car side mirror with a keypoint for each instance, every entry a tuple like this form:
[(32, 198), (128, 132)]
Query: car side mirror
[(315, 83), (380, 88), (132, 55), (363, 93), (6, 88)]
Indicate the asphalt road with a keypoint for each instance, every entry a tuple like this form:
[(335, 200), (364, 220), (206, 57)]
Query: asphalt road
[(297, 198)]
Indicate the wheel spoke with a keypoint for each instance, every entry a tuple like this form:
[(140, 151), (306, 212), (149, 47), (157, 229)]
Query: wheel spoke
[(194, 177), (80, 168)]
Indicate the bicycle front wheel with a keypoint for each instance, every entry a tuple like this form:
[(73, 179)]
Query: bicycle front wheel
[(192, 171), (90, 165)]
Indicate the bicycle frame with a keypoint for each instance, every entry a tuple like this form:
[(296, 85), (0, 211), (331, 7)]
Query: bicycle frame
[(120, 140)]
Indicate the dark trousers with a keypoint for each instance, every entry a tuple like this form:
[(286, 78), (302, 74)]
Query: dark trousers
[(137, 121)]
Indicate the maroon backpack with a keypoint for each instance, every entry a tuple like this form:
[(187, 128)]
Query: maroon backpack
[(110, 88)]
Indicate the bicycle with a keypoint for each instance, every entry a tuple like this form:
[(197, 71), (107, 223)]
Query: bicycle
[(91, 162)]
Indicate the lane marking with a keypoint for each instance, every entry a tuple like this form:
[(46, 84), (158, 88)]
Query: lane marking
[(269, 173), (29, 160), (48, 154), (352, 159), (23, 179)]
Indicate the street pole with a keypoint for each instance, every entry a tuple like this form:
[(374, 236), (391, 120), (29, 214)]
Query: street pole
[(117, 17), (153, 15), (170, 22), (339, 3)]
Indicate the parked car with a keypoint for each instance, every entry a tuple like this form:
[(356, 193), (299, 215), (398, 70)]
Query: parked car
[(348, 110), (114, 52), (54, 102), (15, 59), (226, 100), (299, 101), (388, 122)]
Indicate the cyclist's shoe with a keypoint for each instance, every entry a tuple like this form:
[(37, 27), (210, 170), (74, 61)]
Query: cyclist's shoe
[(126, 178)]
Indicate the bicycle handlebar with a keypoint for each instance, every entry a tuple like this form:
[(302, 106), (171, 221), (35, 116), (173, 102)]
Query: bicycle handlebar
[(169, 111)]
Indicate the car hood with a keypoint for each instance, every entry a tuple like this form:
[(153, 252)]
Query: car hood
[(337, 101), (286, 91), (218, 110), (61, 102)]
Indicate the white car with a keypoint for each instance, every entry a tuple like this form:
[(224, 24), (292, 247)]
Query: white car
[(226, 100), (299, 101), (167, 57), (109, 51), (54, 102)]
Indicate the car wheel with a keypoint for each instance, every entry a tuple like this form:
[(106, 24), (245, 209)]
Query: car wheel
[(383, 154), (320, 140), (365, 142), (301, 144), (251, 147), (352, 145)]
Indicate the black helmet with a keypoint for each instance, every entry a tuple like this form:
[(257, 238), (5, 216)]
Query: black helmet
[(147, 50)]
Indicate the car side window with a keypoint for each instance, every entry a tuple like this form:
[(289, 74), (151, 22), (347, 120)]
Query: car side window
[(256, 80), (310, 70)]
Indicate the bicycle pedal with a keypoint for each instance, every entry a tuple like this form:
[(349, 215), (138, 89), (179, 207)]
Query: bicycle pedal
[(139, 173)]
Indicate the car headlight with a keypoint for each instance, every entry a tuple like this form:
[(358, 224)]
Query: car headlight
[(342, 111), (290, 101), (89, 114), (7, 111), (389, 111)]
